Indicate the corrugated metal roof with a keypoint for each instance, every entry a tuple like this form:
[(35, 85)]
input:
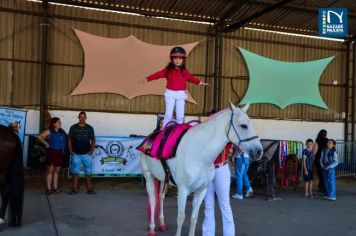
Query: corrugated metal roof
[(20, 67), (296, 16)]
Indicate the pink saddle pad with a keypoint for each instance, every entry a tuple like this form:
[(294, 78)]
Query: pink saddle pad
[(163, 144)]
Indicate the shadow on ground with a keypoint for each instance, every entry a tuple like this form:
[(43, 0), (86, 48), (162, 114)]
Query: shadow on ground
[(119, 208)]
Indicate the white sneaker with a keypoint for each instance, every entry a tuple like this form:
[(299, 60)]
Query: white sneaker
[(2, 221), (330, 198), (249, 192), (236, 196)]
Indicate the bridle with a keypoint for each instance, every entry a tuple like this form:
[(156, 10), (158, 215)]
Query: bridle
[(238, 136)]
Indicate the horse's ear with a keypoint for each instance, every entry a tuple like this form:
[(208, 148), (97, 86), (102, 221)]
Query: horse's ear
[(232, 106), (245, 108)]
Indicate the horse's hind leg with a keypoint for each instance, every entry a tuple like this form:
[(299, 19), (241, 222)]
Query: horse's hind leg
[(182, 201), (197, 200), (162, 194), (5, 197)]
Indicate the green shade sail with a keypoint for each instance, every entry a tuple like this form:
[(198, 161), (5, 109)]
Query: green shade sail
[(283, 83)]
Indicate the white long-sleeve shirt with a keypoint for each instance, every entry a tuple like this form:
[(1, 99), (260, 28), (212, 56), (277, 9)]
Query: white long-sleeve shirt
[(330, 162)]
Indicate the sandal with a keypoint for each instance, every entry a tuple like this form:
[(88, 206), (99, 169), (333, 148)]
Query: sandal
[(57, 191), (73, 192), (89, 191), (49, 192)]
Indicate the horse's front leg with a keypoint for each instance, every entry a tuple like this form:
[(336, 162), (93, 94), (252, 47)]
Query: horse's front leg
[(197, 200), (162, 194), (182, 201)]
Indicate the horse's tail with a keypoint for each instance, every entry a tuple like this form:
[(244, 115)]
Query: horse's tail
[(156, 195), (16, 187)]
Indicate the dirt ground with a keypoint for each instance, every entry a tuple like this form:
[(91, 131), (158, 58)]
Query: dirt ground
[(119, 208)]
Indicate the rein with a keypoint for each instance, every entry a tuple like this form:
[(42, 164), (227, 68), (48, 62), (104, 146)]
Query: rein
[(238, 136)]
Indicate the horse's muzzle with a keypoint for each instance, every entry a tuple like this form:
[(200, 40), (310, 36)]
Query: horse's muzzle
[(257, 153)]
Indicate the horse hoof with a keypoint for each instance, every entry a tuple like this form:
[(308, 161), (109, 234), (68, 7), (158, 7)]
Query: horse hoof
[(163, 228), (151, 234)]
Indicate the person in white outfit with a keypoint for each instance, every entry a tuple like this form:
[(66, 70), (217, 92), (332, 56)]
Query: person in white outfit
[(221, 186)]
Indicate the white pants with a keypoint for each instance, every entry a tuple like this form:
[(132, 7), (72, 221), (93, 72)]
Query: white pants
[(221, 186), (177, 99)]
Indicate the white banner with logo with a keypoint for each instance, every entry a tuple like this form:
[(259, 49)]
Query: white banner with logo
[(116, 156), (15, 116)]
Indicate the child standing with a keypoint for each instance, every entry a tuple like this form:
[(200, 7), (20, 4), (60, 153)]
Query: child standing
[(177, 75), (308, 169), (328, 162)]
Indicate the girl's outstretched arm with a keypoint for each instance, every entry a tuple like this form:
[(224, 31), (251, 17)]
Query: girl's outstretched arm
[(158, 75), (190, 78), (204, 84)]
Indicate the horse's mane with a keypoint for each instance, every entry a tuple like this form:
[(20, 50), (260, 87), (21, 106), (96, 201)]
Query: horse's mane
[(241, 119), (213, 116), (218, 113)]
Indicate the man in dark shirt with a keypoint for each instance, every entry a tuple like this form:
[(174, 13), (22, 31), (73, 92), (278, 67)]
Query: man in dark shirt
[(81, 143)]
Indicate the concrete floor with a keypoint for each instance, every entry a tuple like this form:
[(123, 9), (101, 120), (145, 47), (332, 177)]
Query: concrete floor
[(119, 207)]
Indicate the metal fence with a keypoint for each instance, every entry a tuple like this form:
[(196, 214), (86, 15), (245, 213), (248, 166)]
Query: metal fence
[(347, 158)]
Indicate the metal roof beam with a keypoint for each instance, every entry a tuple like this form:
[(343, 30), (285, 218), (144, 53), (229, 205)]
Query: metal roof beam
[(173, 5), (132, 9), (297, 6), (230, 12), (268, 9)]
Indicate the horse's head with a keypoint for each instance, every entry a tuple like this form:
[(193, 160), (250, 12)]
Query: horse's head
[(241, 133)]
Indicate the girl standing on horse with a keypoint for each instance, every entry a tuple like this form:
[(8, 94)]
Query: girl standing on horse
[(177, 75), (54, 139)]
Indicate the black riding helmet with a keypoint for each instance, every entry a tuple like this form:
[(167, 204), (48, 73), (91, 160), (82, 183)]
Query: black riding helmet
[(178, 52)]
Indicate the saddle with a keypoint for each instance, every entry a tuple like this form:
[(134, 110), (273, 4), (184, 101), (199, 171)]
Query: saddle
[(163, 144)]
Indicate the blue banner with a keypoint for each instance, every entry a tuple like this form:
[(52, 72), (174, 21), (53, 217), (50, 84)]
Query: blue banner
[(15, 116), (333, 22)]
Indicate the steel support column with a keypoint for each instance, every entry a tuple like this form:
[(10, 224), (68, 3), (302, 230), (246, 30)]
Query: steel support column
[(353, 92), (218, 68), (207, 49), (347, 88), (43, 93)]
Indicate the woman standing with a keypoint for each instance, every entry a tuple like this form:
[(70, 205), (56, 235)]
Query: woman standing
[(320, 144), (54, 139)]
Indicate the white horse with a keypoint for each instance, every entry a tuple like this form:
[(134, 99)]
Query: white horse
[(193, 166)]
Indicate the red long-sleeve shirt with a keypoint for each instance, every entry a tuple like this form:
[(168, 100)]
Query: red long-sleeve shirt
[(176, 78)]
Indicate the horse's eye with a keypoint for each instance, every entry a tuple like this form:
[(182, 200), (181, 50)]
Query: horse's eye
[(244, 126)]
